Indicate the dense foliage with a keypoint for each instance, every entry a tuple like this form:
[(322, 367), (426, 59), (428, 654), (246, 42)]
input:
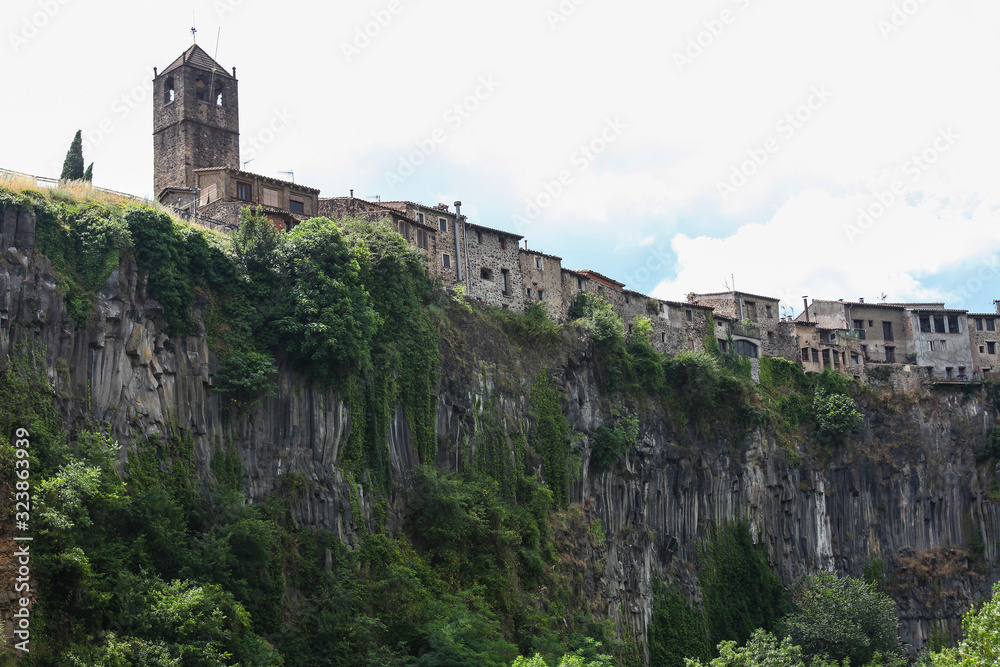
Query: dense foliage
[(677, 629), (980, 644)]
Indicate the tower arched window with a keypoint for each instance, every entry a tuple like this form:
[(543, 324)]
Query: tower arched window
[(220, 98), (200, 90), (169, 91)]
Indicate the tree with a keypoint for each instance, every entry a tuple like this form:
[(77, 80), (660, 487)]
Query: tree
[(89, 174), (677, 630), (73, 164), (844, 617), (836, 414), (980, 645), (762, 650)]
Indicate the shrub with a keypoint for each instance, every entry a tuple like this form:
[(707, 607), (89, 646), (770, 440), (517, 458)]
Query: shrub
[(610, 444), (677, 630), (980, 644), (836, 414)]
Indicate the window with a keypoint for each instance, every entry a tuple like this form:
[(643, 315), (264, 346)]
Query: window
[(420, 218), (991, 348), (505, 275), (503, 243), (209, 195), (770, 336), (925, 324), (930, 346), (300, 208), (629, 329), (854, 359), (422, 238), (663, 337), (541, 295), (890, 354), (270, 197), (723, 343), (200, 91), (747, 349), (690, 344), (864, 351), (941, 344), (979, 324), (446, 260), (769, 315), (443, 224), (887, 331), (982, 349), (815, 354), (961, 372), (826, 357), (479, 236), (527, 292), (627, 300), (538, 262), (751, 310), (805, 354), (244, 191), (947, 372), (220, 97), (939, 323), (859, 325), (953, 324), (991, 325), (168, 91), (579, 284), (486, 274), (690, 315)]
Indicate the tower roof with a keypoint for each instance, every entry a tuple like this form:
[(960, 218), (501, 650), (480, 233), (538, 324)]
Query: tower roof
[(196, 57)]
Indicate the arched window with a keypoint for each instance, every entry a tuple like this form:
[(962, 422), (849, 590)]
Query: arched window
[(219, 95), (168, 91), (746, 348), (200, 90)]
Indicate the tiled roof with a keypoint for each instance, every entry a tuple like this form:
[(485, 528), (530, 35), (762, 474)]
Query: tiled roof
[(539, 252), (247, 174), (984, 314), (752, 296), (499, 232), (196, 57), (600, 277), (379, 208)]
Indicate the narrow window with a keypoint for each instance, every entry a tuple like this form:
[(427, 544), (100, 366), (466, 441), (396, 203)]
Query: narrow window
[(629, 329), (890, 354), (271, 197), (690, 315), (200, 90), (420, 218), (538, 262), (939, 323), (947, 372), (541, 295), (486, 274), (479, 236), (870, 322), (864, 351), (854, 358), (219, 95), (769, 315), (991, 325), (930, 346), (942, 344), (443, 224), (815, 354), (505, 274), (751, 310), (579, 284), (979, 324), (826, 357), (925, 323), (723, 344), (805, 354), (168, 91), (991, 348), (961, 372), (446, 259), (663, 337), (627, 301), (887, 331), (690, 344), (503, 243), (244, 191), (982, 350), (300, 208), (770, 336), (527, 291)]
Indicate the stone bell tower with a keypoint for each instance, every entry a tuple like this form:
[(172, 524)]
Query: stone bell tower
[(195, 120)]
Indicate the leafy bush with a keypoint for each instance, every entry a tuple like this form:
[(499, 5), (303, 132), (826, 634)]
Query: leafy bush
[(836, 414), (610, 444), (677, 630), (763, 650), (991, 450), (245, 375), (980, 644), (551, 437), (844, 618)]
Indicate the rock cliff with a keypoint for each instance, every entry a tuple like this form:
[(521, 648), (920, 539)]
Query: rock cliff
[(905, 490)]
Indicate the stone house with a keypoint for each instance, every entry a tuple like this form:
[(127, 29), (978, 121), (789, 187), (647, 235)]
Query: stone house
[(493, 263), (542, 277), (822, 347), (196, 150), (223, 193), (573, 284), (447, 250), (984, 338), (755, 317), (420, 235), (878, 328), (941, 343)]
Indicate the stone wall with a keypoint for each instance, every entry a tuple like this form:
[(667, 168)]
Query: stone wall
[(543, 275), (983, 361), (493, 254)]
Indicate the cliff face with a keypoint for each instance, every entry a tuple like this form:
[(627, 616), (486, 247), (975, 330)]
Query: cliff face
[(905, 489)]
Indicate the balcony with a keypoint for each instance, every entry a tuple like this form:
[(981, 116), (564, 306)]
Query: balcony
[(854, 333), (745, 328)]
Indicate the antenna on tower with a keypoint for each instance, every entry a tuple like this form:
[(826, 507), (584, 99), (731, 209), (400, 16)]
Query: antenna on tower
[(290, 173), (246, 162), (211, 85), (883, 297), (194, 30)]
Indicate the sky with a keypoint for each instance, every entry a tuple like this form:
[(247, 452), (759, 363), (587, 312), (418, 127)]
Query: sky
[(784, 147)]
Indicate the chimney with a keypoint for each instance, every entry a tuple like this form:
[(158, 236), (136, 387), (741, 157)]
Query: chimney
[(234, 72), (861, 299), (997, 304), (458, 239), (805, 306), (352, 193), (155, 73)]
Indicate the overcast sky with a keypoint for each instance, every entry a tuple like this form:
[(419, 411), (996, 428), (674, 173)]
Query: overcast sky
[(836, 150)]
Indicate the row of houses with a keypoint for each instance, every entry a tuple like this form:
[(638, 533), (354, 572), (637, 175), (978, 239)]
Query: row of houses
[(198, 173)]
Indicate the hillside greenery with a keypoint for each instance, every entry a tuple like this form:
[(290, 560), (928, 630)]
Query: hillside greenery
[(140, 562)]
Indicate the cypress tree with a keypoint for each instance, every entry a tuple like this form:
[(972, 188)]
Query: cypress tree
[(73, 164), (89, 174)]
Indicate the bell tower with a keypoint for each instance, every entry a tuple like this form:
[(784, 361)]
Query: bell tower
[(195, 120)]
